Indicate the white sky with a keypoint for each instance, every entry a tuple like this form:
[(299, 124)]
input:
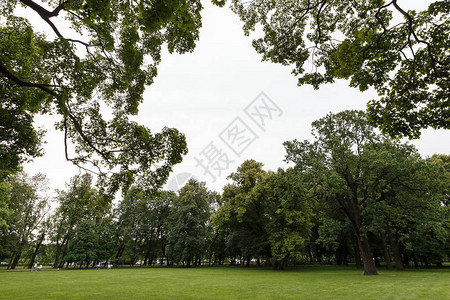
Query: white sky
[(201, 93)]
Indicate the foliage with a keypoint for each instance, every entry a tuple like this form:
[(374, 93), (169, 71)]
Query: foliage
[(79, 204), (405, 61), (290, 210), (96, 61), (4, 200), (27, 209), (383, 186), (242, 213), (188, 230)]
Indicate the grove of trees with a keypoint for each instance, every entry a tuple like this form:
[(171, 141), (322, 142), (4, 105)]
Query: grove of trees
[(352, 196)]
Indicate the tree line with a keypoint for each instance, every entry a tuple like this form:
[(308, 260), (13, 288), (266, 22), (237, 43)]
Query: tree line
[(351, 196)]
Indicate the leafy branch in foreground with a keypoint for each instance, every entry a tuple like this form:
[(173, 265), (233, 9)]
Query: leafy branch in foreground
[(103, 65)]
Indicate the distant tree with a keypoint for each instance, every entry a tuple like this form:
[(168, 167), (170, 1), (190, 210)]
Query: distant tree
[(78, 203), (105, 229), (242, 214), (5, 212), (83, 245), (406, 61), (158, 225), (405, 197), (289, 205), (132, 213), (28, 209), (43, 232)]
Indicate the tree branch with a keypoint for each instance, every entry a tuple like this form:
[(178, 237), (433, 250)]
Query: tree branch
[(20, 82)]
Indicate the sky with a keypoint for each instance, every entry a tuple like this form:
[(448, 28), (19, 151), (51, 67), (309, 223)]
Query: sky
[(231, 107)]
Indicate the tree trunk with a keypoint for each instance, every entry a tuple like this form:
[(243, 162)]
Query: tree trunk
[(311, 259), (387, 257), (10, 260), (396, 250), (16, 260), (425, 260), (367, 257), (58, 250), (363, 242), (357, 254), (147, 255), (36, 251), (63, 254), (416, 264), (375, 256)]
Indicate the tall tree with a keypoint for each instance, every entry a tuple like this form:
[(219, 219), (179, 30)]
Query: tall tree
[(188, 233), (333, 162), (385, 188), (243, 215), (79, 202), (28, 208), (132, 213), (289, 205), (405, 59)]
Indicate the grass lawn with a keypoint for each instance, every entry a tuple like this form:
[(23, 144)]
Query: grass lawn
[(306, 282)]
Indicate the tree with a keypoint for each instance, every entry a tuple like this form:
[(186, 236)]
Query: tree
[(28, 209), (190, 214), (44, 229), (407, 61), (97, 54), (132, 213), (83, 246), (333, 163), (243, 215), (288, 204), (385, 188), (158, 225), (78, 203)]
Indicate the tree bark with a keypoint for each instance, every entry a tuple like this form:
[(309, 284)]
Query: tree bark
[(357, 255), (63, 254), (311, 259), (11, 260), (396, 250), (16, 259), (375, 256), (387, 257), (38, 245), (367, 257)]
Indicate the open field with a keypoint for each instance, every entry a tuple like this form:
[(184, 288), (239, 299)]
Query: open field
[(306, 282)]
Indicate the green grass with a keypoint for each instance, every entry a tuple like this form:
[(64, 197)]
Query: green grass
[(306, 282)]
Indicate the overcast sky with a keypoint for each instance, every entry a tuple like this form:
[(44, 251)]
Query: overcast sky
[(206, 94)]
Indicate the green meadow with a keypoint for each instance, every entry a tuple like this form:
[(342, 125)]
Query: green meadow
[(305, 282)]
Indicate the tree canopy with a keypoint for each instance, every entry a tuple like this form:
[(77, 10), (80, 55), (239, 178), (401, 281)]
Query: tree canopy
[(382, 186), (405, 59), (96, 61)]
